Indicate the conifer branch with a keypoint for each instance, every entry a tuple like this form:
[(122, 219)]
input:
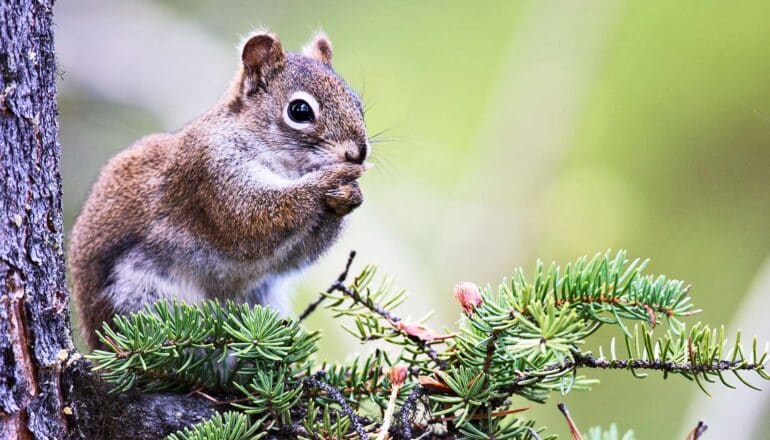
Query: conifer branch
[(588, 361), (406, 414), (337, 396), (522, 339), (697, 431), (339, 282)]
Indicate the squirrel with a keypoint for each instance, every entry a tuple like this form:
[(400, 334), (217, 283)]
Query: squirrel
[(240, 199)]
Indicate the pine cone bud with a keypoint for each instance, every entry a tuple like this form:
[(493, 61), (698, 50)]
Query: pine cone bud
[(469, 296), (418, 331), (398, 374)]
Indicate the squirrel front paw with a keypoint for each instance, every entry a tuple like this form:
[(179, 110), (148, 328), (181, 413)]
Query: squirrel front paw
[(340, 191), (344, 198)]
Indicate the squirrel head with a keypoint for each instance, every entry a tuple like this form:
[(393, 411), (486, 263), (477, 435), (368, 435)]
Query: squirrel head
[(301, 114)]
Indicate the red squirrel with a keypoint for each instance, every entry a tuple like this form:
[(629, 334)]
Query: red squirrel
[(244, 196)]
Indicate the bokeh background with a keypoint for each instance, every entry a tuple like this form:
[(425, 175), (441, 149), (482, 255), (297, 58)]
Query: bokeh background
[(513, 130)]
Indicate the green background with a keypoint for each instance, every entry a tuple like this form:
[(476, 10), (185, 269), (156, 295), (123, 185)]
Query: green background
[(512, 131)]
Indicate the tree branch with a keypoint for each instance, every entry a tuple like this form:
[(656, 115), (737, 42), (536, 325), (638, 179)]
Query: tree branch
[(339, 286), (340, 282), (334, 394), (407, 410), (95, 413), (588, 361)]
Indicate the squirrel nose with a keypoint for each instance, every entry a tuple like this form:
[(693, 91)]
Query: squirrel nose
[(357, 152)]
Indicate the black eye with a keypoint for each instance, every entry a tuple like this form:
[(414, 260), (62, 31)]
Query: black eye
[(300, 111)]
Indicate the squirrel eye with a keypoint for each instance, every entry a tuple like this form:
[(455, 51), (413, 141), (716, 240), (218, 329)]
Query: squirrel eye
[(301, 111)]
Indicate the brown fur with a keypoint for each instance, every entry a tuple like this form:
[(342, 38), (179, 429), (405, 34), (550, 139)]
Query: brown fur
[(231, 203)]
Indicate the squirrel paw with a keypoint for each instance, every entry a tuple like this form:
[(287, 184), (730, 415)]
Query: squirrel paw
[(344, 198)]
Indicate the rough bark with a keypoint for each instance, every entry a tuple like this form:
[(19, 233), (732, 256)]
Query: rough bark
[(47, 391), (34, 332), (96, 414)]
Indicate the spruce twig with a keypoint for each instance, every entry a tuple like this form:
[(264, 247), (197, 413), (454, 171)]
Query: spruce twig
[(522, 340), (337, 396), (697, 431), (406, 413), (573, 429), (339, 282)]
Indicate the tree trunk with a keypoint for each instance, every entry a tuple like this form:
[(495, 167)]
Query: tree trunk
[(34, 332), (46, 390)]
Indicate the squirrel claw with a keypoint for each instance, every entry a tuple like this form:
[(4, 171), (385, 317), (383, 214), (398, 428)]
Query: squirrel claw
[(344, 199)]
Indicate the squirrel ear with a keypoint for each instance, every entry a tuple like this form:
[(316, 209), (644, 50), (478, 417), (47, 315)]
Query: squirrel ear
[(262, 55), (319, 48)]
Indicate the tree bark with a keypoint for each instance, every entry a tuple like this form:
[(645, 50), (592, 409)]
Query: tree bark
[(34, 331), (47, 391), (96, 414)]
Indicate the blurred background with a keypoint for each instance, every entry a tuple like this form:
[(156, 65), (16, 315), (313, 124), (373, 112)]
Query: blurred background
[(513, 130)]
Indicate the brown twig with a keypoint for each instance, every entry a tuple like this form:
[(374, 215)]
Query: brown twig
[(697, 431), (491, 349), (119, 353), (408, 409), (573, 429), (336, 285), (339, 285), (376, 308), (334, 394), (397, 376), (198, 392), (423, 337)]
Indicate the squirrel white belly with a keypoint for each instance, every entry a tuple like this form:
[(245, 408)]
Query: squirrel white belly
[(245, 195)]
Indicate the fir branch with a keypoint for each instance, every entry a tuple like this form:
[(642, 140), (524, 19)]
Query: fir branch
[(336, 395), (395, 324), (588, 361), (491, 346), (338, 283), (523, 339), (406, 414), (372, 306), (177, 346), (697, 431), (432, 354), (227, 426), (573, 429)]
